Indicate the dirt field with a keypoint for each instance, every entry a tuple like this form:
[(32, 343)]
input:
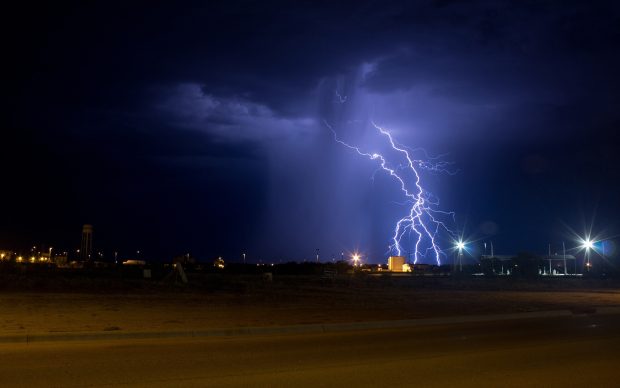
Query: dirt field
[(293, 301)]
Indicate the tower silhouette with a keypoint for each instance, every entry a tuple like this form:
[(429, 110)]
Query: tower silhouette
[(86, 249)]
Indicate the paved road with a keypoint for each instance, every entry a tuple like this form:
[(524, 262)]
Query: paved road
[(566, 351)]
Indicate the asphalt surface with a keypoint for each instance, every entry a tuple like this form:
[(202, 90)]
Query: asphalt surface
[(568, 351)]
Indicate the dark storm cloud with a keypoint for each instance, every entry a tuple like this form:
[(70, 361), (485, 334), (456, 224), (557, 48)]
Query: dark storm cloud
[(526, 50), (275, 56), (215, 99), (189, 106)]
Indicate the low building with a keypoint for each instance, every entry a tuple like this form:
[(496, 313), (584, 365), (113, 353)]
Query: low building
[(397, 264)]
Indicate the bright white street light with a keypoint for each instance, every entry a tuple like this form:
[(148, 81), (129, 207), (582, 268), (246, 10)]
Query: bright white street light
[(588, 244), (460, 245)]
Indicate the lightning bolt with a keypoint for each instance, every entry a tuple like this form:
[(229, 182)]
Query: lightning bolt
[(423, 219), (340, 98)]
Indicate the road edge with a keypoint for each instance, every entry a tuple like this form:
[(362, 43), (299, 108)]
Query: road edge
[(296, 329)]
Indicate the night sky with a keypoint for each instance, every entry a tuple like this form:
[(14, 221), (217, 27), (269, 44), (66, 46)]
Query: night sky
[(203, 128)]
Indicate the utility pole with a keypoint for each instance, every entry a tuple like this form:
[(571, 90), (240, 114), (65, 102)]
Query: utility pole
[(549, 253), (564, 256)]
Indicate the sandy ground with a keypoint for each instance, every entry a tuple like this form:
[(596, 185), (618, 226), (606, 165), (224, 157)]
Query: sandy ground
[(40, 312)]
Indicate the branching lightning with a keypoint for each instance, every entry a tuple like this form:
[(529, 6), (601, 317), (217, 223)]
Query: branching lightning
[(424, 220)]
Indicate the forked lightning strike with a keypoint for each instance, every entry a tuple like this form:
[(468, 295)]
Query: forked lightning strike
[(422, 218)]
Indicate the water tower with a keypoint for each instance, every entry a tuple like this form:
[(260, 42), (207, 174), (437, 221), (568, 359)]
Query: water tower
[(86, 249)]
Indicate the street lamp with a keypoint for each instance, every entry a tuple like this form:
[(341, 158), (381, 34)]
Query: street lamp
[(356, 259), (587, 244), (460, 245)]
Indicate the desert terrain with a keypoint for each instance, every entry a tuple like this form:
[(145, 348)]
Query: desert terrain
[(243, 301)]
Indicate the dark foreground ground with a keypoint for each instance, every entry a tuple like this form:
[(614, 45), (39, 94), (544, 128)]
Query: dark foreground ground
[(80, 304), (570, 351)]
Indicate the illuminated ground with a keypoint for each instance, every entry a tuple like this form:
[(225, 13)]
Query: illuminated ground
[(551, 352), (272, 304)]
